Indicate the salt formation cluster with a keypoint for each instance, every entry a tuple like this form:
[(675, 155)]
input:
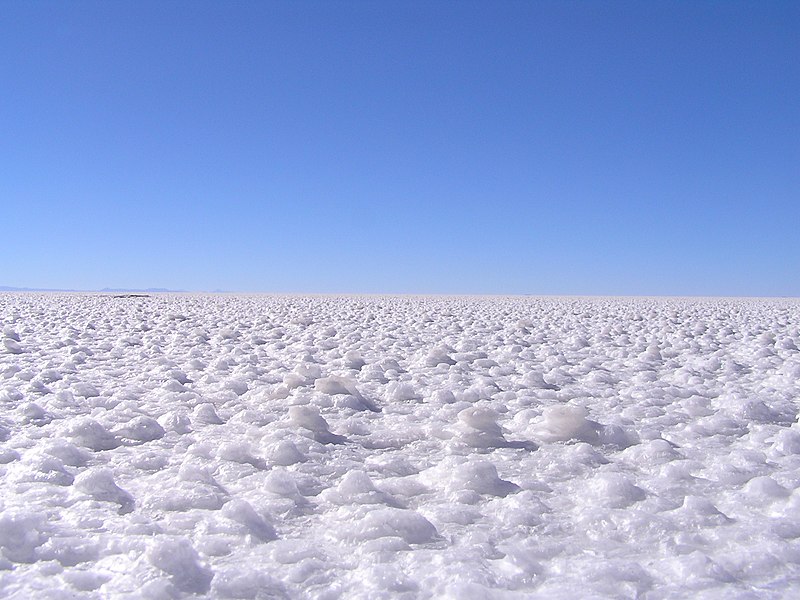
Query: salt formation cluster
[(179, 446)]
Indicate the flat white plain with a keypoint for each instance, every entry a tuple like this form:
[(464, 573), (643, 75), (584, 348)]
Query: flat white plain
[(398, 447)]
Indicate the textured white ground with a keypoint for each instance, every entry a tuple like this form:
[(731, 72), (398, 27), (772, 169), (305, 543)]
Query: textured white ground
[(316, 447)]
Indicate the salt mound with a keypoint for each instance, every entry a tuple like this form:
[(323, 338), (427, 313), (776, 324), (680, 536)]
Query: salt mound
[(353, 360), (439, 356), (8, 332), (67, 452), (698, 570), (34, 414), (567, 423), (179, 376), (21, 533), (535, 380), (356, 482), (478, 428), (8, 455), (99, 483), (482, 477), (443, 396), (481, 419), (176, 420), (240, 452), (335, 385), (242, 512), (236, 385), (759, 412), (69, 551), (44, 469), (766, 489), (12, 346), (90, 434), (356, 487), (85, 390), (457, 474), (653, 452), (280, 482), (308, 370), (787, 442), (331, 385), (191, 470), (141, 429), (373, 372), (308, 417), (206, 413), (394, 522), (180, 560), (697, 511), (292, 381), (184, 495), (615, 490), (285, 453), (401, 391)]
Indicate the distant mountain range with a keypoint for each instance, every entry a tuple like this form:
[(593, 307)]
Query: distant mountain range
[(5, 288), (145, 291)]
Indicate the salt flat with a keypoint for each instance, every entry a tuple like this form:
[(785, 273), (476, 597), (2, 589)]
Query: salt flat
[(398, 447)]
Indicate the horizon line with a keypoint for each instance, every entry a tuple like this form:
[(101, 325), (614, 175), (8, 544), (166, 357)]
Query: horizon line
[(166, 291)]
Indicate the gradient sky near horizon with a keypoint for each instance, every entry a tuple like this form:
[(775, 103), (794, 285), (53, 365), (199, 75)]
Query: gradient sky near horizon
[(600, 148)]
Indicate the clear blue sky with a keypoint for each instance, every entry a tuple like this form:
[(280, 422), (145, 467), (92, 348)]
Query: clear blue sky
[(403, 147)]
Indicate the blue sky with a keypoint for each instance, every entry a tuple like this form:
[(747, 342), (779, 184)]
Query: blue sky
[(402, 147)]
